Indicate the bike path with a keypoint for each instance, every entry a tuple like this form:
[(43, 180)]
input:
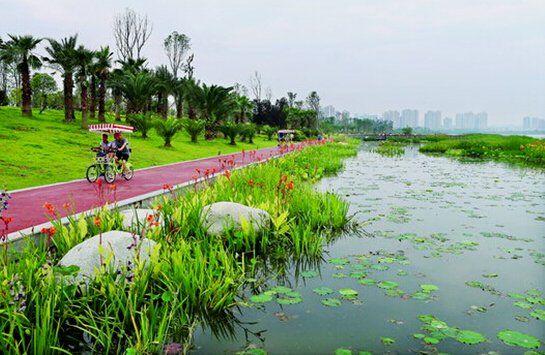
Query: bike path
[(26, 206)]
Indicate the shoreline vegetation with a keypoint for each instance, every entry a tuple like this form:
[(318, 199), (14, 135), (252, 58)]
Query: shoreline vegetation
[(514, 149), (191, 279)]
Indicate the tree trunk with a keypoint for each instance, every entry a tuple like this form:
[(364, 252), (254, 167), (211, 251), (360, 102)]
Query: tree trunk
[(26, 107), (102, 99), (44, 103), (164, 108), (179, 106), (191, 111), (83, 98), (93, 97), (68, 84), (117, 104)]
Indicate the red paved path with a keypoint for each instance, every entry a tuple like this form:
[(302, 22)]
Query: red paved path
[(26, 206)]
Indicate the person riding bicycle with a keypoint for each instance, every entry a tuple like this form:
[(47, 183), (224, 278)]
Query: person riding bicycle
[(122, 151), (104, 147)]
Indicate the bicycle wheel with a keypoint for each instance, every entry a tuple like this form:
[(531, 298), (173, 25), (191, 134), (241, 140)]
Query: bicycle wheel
[(129, 173), (93, 173), (109, 174)]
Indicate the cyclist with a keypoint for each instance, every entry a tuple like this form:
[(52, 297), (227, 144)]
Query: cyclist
[(121, 146), (104, 146)]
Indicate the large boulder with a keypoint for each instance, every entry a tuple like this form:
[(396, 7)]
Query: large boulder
[(135, 219), (225, 215), (123, 246)]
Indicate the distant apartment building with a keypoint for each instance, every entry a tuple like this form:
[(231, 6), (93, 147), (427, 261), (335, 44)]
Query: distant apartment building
[(328, 111), (447, 123), (432, 120), (533, 124), (409, 118), (471, 121), (392, 116)]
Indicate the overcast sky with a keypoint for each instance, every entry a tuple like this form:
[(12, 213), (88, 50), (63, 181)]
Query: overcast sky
[(360, 55)]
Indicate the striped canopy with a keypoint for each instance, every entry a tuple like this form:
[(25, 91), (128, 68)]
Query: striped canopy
[(110, 128)]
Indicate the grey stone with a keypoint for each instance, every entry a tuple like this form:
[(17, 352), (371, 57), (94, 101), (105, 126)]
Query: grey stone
[(134, 219), (221, 215), (121, 245)]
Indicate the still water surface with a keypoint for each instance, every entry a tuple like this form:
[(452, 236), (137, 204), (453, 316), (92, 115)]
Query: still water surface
[(428, 220)]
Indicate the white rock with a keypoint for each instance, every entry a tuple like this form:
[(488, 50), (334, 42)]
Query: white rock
[(122, 245), (134, 219), (217, 216)]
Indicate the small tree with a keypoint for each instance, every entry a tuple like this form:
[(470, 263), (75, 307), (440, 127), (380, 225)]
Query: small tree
[(168, 129), (43, 85), (268, 131), (407, 130), (231, 130), (142, 122), (248, 132), (194, 128)]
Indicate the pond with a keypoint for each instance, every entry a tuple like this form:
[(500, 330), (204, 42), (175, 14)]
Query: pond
[(452, 253)]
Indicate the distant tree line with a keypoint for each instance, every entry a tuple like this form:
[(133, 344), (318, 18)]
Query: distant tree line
[(167, 97)]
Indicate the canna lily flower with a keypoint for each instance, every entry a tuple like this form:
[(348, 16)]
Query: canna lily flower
[(97, 221), (49, 207)]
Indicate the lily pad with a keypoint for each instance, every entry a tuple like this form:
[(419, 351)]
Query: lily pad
[(289, 300), (420, 296), (533, 293), (339, 261), (470, 337), (309, 274), (516, 296), (431, 340), (402, 273), (419, 336), (339, 275), (357, 274), (262, 298), (331, 302), (394, 292), (387, 341), (428, 288), (522, 319), (348, 293), (322, 291), (387, 285), (490, 275), (380, 267), (522, 305), (538, 314), (343, 351), (513, 338)]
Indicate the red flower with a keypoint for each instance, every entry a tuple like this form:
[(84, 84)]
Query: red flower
[(113, 187), (99, 183), (227, 174), (97, 221), (194, 177), (151, 220), (251, 182), (289, 185), (66, 205), (284, 178), (198, 171), (7, 220), (159, 207), (49, 207), (167, 186), (51, 231)]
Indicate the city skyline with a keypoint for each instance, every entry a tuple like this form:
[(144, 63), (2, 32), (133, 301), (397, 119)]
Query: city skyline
[(360, 55)]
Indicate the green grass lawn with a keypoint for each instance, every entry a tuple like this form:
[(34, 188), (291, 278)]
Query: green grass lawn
[(43, 149)]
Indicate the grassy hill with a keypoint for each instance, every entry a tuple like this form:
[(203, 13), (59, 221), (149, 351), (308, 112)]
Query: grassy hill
[(43, 149)]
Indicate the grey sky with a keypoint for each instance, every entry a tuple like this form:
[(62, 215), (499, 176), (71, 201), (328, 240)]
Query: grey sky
[(360, 55)]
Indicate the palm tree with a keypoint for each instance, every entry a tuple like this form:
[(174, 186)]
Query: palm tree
[(18, 50), (231, 130), (165, 84), (244, 106), (84, 59), (62, 56), (194, 128), (138, 89), (168, 129), (215, 104), (102, 69), (92, 90), (115, 82), (180, 90)]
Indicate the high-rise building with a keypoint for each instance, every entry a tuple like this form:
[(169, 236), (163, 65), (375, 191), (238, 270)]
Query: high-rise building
[(533, 124), (409, 118), (481, 120), (447, 123), (432, 120), (459, 124), (527, 123), (328, 111), (392, 116)]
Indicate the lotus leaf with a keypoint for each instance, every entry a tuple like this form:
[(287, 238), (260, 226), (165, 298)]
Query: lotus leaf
[(357, 274), (322, 291), (380, 267), (343, 351), (387, 341), (387, 285), (516, 296), (538, 314), (309, 274), (475, 284), (365, 353), (514, 338), (523, 305), (290, 300), (535, 300), (331, 302), (387, 260), (533, 293), (522, 319), (293, 294), (339, 261), (348, 293), (490, 275), (428, 288), (262, 298), (420, 296), (470, 337), (402, 273), (394, 292), (339, 275), (419, 336), (431, 340)]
